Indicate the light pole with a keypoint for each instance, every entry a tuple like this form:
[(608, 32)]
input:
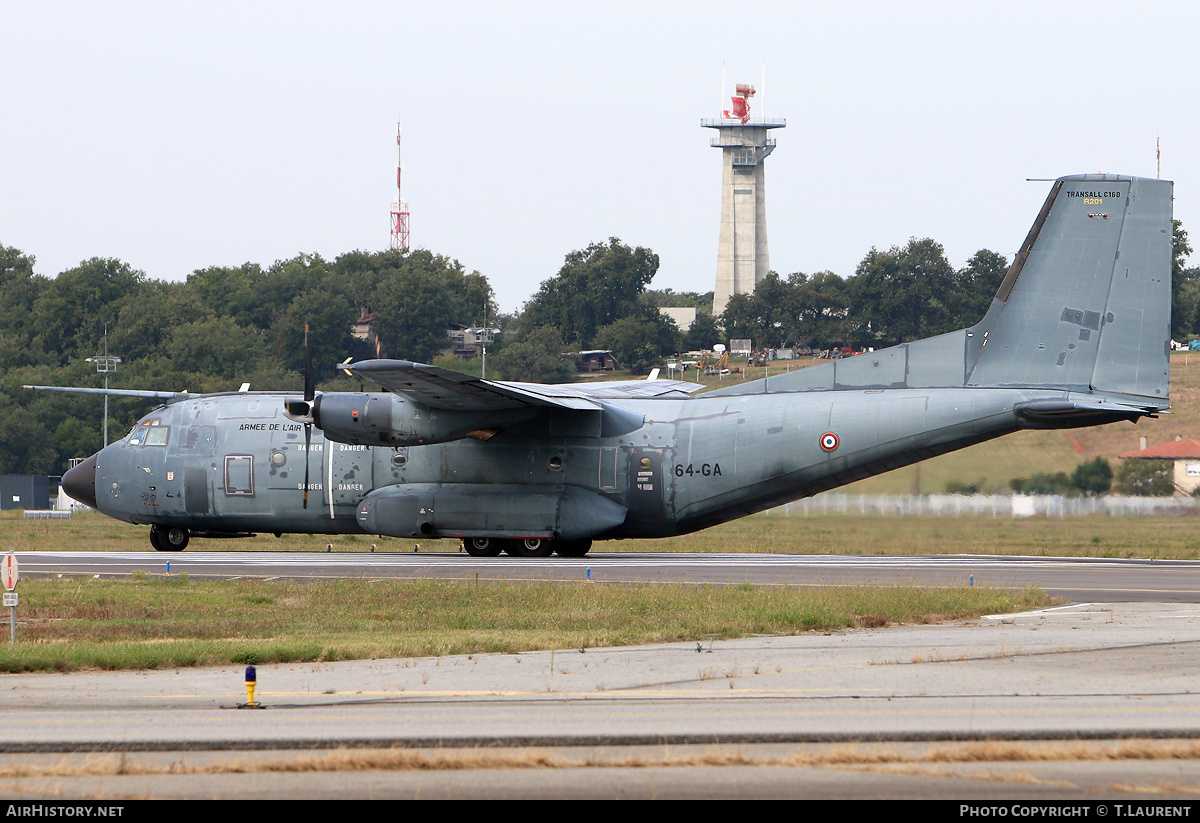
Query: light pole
[(105, 365)]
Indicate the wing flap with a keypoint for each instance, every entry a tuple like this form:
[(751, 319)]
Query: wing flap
[(439, 388)]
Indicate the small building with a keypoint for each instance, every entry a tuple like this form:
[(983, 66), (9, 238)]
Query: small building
[(361, 329), (1185, 453), (683, 316), (467, 341), (24, 491), (595, 361), (740, 347)]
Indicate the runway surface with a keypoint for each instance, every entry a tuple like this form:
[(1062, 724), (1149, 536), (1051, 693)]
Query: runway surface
[(1076, 579), (1099, 671)]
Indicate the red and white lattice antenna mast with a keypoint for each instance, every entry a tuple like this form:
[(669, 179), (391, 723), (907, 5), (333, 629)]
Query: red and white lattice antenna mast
[(399, 207)]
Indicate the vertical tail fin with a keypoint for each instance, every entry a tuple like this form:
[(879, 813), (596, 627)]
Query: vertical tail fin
[(1086, 305), (1086, 308)]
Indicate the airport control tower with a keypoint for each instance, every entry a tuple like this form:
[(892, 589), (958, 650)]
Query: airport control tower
[(742, 258)]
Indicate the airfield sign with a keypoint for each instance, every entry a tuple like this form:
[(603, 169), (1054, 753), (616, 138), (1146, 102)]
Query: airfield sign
[(9, 575), (8, 572)]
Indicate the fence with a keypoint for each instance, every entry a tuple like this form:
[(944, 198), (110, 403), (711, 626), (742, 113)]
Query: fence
[(990, 505)]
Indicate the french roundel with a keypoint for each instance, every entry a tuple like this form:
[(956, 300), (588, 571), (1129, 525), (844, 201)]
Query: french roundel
[(829, 441)]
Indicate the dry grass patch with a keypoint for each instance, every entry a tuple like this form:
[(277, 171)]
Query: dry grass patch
[(922, 760)]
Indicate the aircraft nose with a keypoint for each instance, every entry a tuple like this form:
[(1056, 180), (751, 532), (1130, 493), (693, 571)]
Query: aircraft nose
[(80, 482)]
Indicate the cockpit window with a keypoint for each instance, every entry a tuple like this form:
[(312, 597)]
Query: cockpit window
[(149, 433), (156, 435)]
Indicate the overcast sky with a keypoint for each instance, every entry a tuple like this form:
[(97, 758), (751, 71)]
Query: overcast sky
[(179, 136)]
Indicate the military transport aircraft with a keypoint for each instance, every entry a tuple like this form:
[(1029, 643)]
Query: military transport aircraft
[(1077, 335)]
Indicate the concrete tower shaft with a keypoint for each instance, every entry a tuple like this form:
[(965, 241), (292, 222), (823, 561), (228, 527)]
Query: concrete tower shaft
[(742, 255)]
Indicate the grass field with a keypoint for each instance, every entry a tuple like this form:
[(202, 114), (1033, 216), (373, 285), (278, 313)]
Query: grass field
[(1175, 538), (156, 622)]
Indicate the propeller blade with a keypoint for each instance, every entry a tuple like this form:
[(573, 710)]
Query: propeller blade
[(310, 392), (307, 451), (310, 387)]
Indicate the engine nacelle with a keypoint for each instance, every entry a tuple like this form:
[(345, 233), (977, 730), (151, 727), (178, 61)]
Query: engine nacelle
[(365, 419)]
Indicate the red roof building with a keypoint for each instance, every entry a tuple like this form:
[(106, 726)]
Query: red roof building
[(1186, 455)]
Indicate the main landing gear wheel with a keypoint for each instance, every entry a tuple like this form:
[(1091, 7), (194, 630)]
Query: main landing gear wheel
[(483, 546), (174, 539), (572, 548), (529, 547)]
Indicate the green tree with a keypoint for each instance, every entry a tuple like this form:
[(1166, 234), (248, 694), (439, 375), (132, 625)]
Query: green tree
[(746, 317), (1042, 483), (975, 286), (75, 438), (536, 356), (1185, 286), (73, 312), (902, 294), (797, 311), (235, 293), (143, 326), (415, 299), (412, 314), (218, 347), (703, 334), (19, 290), (822, 308), (25, 442), (1145, 478), (638, 344), (595, 287), (328, 318), (1093, 476)]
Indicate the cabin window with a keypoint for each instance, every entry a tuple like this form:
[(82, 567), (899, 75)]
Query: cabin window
[(239, 475)]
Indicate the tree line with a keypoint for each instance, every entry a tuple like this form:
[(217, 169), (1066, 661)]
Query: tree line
[(220, 327), (223, 325), (600, 300)]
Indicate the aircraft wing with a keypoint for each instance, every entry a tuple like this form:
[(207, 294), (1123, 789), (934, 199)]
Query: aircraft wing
[(153, 395), (439, 388), (613, 389)]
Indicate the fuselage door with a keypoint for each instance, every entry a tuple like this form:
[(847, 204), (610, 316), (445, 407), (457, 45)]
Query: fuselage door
[(646, 490)]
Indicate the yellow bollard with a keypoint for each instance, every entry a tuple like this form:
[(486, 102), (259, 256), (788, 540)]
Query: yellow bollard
[(251, 682)]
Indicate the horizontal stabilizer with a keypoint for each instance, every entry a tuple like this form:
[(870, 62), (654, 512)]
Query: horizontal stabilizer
[(1069, 413)]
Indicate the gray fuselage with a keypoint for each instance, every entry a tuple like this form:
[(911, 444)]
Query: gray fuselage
[(234, 463)]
